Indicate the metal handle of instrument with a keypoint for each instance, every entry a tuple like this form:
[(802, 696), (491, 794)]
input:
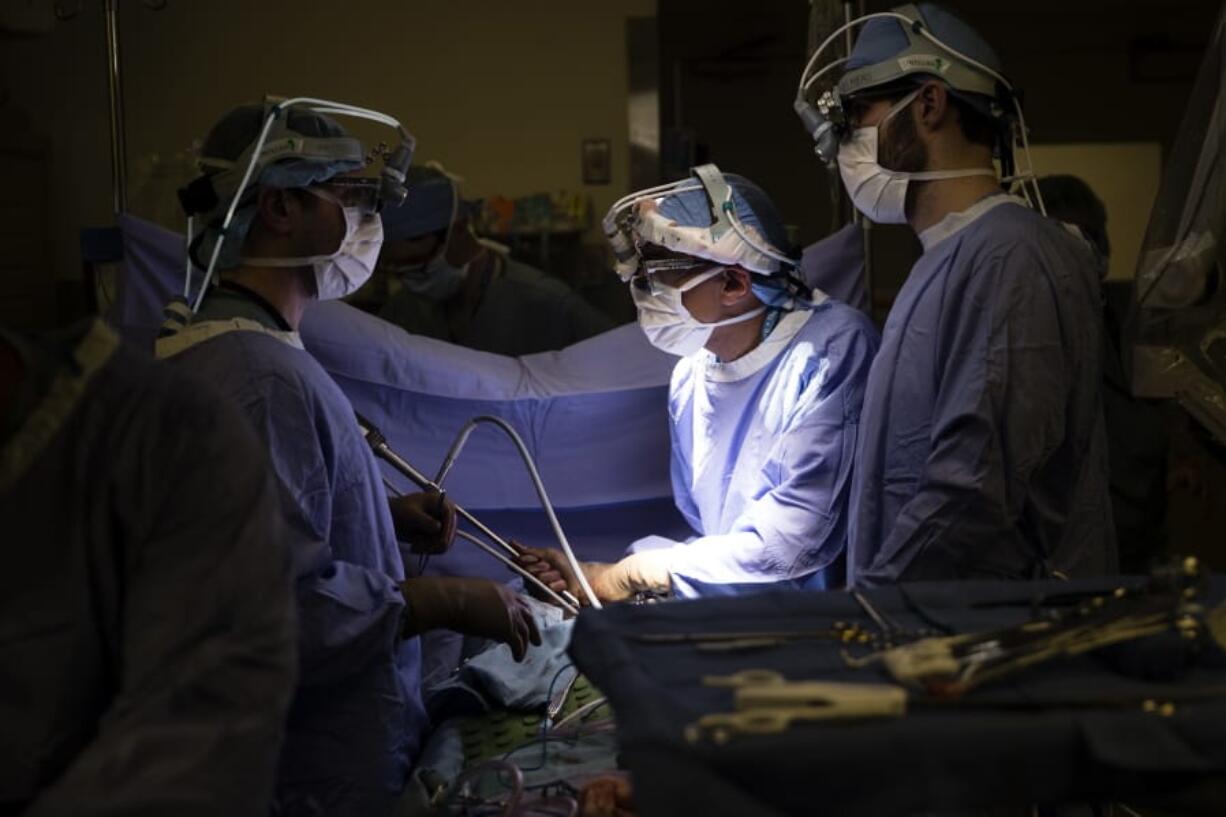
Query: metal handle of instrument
[(378, 444), (533, 474), (509, 563)]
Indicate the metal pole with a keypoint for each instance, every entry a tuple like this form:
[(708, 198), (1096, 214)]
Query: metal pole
[(119, 171), (847, 18)]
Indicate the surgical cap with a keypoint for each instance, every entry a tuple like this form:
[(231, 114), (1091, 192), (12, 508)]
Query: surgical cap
[(883, 38), (428, 208), (755, 211), (227, 142)]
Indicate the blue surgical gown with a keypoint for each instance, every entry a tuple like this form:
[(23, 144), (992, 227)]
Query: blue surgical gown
[(835, 265), (146, 616), (762, 453), (357, 718), (982, 446)]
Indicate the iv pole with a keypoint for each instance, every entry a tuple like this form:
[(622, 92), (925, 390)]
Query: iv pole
[(114, 81), (119, 150)]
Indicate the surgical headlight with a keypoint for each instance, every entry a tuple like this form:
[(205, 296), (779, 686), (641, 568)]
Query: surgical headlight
[(925, 54), (826, 124)]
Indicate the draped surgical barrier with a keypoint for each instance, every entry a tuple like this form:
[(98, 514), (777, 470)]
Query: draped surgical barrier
[(1176, 333), (593, 415)]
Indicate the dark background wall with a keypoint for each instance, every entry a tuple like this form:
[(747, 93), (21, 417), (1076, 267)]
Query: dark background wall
[(1090, 71)]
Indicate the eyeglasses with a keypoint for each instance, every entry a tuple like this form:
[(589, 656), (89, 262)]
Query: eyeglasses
[(354, 191), (670, 272)]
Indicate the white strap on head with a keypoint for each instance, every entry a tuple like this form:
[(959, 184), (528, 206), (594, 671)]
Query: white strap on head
[(700, 242), (718, 192), (725, 241)]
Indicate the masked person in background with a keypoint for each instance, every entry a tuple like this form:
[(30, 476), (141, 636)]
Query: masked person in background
[(146, 614), (306, 230), (764, 402), (1141, 434), (453, 286), (982, 452)]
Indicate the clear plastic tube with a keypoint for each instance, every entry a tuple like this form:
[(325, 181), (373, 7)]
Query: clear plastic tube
[(813, 79)]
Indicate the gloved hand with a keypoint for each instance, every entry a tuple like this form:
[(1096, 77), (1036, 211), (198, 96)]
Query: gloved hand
[(425, 520), (638, 572), (470, 606)]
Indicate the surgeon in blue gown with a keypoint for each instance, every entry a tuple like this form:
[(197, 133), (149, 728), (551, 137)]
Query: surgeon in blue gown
[(764, 405), (304, 232), (146, 614), (456, 287), (982, 447)]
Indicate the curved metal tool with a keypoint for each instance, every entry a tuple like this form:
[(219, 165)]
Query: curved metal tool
[(378, 444)]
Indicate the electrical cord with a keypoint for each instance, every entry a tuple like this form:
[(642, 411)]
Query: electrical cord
[(580, 713)]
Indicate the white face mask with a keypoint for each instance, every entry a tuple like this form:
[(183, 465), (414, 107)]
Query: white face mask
[(436, 280), (877, 192), (344, 271), (669, 326)]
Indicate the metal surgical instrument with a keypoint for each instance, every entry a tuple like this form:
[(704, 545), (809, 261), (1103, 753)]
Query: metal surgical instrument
[(379, 445)]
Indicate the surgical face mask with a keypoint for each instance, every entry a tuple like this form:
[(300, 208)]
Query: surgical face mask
[(877, 192), (436, 280), (344, 271), (669, 326)]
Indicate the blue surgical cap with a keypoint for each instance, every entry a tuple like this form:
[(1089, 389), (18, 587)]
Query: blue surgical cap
[(233, 135), (753, 208), (428, 208), (883, 38)]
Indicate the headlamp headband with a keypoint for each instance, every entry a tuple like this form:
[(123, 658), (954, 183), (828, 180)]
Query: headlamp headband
[(626, 221), (827, 123), (277, 143)]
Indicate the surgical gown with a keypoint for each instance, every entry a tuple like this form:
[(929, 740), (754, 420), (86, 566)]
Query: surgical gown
[(146, 620), (982, 446), (835, 265), (762, 454), (357, 717), (523, 311)]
